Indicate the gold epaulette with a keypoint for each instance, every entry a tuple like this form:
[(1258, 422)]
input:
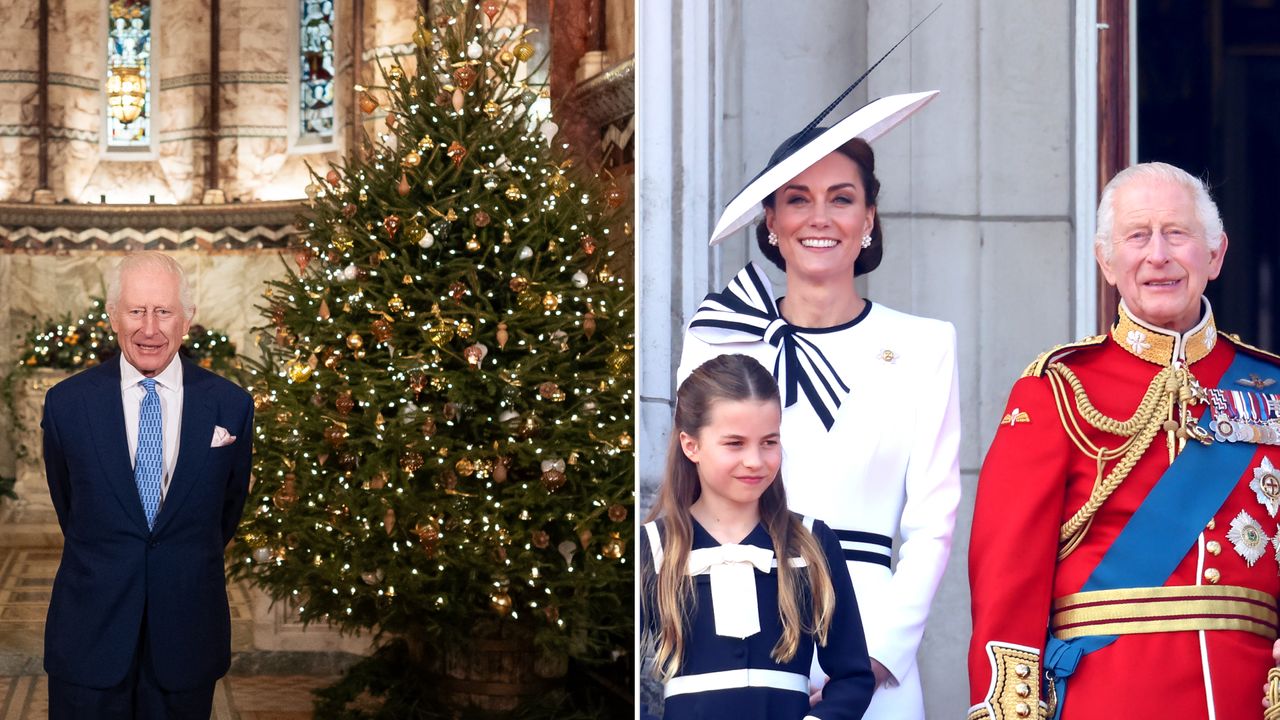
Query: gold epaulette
[(1036, 368), (1252, 349)]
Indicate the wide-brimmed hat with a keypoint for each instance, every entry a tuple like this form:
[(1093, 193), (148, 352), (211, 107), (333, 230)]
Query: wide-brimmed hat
[(868, 122), (813, 143)]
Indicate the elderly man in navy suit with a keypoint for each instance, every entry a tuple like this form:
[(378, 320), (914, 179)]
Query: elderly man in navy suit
[(148, 459)]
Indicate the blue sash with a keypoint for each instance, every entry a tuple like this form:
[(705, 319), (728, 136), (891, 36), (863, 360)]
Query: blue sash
[(1160, 532)]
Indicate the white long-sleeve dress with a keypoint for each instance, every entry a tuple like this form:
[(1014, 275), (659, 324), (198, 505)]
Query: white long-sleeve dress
[(870, 437)]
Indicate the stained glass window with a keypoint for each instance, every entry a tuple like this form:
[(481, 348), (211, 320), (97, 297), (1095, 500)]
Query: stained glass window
[(316, 57), (129, 73)]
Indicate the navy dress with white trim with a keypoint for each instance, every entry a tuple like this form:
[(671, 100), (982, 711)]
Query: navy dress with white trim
[(729, 678)]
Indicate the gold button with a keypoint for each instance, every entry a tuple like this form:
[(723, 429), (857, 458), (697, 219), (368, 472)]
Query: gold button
[(1212, 575), (1213, 546), (1023, 709), (887, 356), (1023, 690), (1211, 525), (1022, 670)]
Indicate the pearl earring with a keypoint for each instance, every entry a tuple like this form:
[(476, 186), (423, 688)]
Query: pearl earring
[(773, 238), (866, 241)]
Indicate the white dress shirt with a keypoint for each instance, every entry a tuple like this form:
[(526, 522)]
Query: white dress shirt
[(169, 388)]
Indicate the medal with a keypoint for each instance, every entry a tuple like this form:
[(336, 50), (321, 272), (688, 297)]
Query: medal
[(1248, 538)]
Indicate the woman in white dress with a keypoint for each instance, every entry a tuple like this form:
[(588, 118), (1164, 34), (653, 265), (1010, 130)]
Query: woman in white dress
[(870, 426)]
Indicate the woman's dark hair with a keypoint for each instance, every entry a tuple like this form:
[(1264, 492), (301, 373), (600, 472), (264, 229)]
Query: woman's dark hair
[(860, 153)]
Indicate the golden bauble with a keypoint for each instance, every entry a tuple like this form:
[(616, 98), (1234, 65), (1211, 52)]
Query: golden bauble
[(354, 341), (299, 371), (381, 330), (501, 603), (491, 109), (466, 467), (523, 51), (395, 73), (411, 159), (512, 192), (465, 329), (395, 304), (550, 302), (614, 548), (411, 461), (440, 332), (617, 361)]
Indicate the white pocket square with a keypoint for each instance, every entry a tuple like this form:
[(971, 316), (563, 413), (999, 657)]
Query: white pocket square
[(221, 437)]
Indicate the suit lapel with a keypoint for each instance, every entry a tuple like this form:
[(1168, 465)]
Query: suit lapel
[(199, 415), (111, 440)]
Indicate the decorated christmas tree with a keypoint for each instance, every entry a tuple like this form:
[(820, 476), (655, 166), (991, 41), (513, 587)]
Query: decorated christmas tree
[(444, 451)]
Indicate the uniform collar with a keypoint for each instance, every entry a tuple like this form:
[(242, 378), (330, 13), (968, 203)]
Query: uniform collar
[(1163, 347), (169, 378)]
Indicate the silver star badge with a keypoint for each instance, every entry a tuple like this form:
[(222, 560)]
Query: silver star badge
[(1266, 483), (1247, 538)]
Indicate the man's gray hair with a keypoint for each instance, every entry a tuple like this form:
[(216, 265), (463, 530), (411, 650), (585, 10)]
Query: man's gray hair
[(1206, 210), (154, 261)]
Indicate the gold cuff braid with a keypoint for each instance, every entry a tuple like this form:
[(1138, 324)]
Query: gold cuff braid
[(1273, 695), (1015, 689)]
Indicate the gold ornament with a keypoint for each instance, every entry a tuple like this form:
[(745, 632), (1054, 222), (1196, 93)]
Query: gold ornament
[(464, 77), (335, 435), (624, 441), (617, 361), (473, 244), (528, 300), (286, 495), (411, 461), (502, 335), (456, 152), (466, 467), (394, 73), (552, 479), (465, 329), (475, 355), (391, 224), (440, 332), (261, 400), (411, 159), (299, 372), (614, 548), (491, 109), (342, 241), (523, 51), (506, 57), (381, 330), (354, 341), (367, 103), (558, 184), (395, 304), (422, 38), (550, 302), (512, 192), (501, 603), (518, 284), (345, 403)]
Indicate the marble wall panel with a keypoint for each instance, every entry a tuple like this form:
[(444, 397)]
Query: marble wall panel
[(77, 33), (184, 112), (71, 164), (77, 109), (18, 39), (182, 164), (181, 38), (389, 22), (17, 104), (130, 182), (13, 167)]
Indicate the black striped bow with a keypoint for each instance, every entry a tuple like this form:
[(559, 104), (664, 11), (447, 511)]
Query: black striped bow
[(746, 311)]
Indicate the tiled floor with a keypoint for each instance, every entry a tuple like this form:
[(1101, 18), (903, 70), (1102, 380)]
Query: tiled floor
[(29, 554)]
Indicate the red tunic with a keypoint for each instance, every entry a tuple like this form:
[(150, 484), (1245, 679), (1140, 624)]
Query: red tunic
[(1034, 479)]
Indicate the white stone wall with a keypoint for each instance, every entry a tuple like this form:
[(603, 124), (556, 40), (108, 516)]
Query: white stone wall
[(977, 196)]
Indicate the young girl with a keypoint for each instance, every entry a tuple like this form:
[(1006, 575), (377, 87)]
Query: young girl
[(737, 590)]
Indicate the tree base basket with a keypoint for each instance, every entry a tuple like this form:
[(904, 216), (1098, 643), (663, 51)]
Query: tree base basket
[(496, 675)]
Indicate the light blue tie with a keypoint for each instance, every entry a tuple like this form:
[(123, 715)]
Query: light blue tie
[(148, 467)]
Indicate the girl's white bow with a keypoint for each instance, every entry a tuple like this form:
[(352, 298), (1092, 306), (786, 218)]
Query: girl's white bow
[(733, 585)]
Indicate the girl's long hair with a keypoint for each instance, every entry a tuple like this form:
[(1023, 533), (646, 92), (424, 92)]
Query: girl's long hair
[(670, 589)]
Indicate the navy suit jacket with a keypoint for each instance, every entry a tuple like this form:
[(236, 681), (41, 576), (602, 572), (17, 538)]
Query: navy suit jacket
[(114, 570)]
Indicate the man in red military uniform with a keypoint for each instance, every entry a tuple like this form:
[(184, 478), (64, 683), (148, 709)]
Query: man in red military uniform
[(1125, 560)]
